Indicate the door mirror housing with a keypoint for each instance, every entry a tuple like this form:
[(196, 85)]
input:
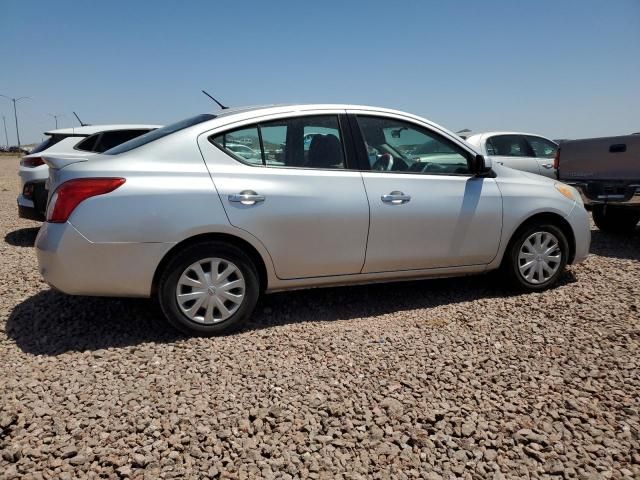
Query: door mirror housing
[(481, 165)]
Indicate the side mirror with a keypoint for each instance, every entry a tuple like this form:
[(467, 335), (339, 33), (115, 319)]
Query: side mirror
[(481, 165)]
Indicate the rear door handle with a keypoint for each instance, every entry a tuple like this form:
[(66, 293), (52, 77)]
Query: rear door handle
[(246, 197), (395, 198), (547, 165)]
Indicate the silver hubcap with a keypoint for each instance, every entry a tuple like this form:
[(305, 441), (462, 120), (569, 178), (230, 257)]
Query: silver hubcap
[(210, 290), (539, 258)]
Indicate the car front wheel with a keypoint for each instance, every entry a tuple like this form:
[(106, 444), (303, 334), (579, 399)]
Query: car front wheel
[(536, 257), (209, 288)]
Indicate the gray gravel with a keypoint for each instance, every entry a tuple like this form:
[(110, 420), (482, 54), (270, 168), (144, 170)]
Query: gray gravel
[(440, 379)]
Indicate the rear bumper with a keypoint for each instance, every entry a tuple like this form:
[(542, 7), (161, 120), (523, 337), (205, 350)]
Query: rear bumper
[(74, 265), (600, 193), (34, 205)]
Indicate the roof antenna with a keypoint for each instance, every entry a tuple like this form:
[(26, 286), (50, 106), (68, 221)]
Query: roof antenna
[(82, 124), (221, 105)]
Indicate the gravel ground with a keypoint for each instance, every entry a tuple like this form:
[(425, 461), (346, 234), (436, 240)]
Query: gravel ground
[(440, 379)]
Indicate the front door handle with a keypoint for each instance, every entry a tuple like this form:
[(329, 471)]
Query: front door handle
[(395, 198), (246, 197), (547, 165)]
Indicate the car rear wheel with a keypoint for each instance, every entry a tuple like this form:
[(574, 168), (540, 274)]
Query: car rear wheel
[(209, 288), (615, 219), (536, 257)]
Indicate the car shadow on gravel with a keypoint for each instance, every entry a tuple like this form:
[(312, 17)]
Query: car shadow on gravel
[(51, 323), (23, 237), (616, 245)]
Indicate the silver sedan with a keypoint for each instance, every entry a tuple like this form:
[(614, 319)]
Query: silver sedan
[(334, 195)]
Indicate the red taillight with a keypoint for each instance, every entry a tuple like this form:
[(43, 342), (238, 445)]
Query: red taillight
[(69, 195), (556, 160), (32, 162)]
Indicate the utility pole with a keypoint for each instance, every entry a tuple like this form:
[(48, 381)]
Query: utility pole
[(15, 113), (6, 137), (54, 115)]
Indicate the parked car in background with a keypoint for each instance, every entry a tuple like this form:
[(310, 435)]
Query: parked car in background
[(522, 151), (176, 215), (606, 171), (79, 141), (244, 151)]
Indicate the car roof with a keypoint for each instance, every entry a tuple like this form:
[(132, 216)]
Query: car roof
[(493, 134), (91, 129)]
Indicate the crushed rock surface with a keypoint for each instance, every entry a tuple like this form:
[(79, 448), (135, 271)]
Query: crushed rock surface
[(439, 379)]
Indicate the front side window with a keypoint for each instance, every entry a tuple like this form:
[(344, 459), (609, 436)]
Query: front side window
[(397, 146), (542, 147), (508, 146), (301, 142)]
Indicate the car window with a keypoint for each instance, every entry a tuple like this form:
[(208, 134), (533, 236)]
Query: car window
[(397, 146), (508, 146), (103, 141), (51, 141), (159, 133), (243, 144), (303, 142), (542, 147)]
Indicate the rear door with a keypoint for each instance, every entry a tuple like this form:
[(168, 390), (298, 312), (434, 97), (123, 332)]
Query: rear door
[(544, 150), (512, 151), (302, 200)]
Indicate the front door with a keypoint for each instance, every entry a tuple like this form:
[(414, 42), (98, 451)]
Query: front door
[(427, 209), (287, 182)]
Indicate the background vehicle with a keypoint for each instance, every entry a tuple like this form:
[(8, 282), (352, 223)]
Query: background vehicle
[(81, 141), (606, 171), (177, 215), (522, 151), (244, 151)]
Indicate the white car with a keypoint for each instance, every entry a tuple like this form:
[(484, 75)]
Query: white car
[(521, 151), (244, 151), (80, 141)]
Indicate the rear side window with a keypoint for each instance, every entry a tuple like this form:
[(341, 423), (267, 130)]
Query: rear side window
[(103, 141), (542, 147), (302, 142), (51, 141), (159, 133), (508, 146)]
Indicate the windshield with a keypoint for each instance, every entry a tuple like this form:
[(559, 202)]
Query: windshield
[(159, 133)]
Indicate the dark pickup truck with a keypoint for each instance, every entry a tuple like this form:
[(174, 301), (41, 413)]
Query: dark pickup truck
[(606, 171)]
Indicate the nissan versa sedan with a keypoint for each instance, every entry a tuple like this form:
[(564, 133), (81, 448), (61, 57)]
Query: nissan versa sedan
[(373, 195)]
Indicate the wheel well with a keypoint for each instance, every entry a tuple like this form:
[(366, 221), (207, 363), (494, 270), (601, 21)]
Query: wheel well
[(221, 237), (553, 219)]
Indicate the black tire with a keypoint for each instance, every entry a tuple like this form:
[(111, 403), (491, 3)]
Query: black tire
[(510, 264), (614, 219), (168, 284)]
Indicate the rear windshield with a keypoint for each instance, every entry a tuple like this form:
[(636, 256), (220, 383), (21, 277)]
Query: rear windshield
[(159, 133), (51, 141), (103, 141)]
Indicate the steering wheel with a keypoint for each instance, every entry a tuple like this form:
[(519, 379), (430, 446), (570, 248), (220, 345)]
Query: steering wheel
[(384, 163)]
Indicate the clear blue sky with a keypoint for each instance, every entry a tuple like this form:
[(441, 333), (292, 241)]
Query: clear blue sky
[(564, 69)]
